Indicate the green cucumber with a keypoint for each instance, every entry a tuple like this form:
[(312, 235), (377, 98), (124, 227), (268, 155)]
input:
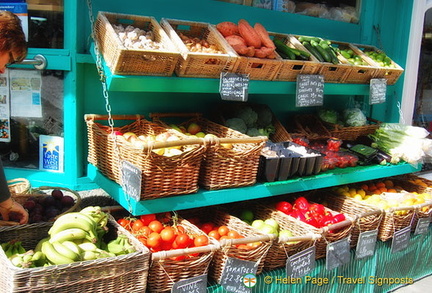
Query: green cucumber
[(313, 51), (301, 53), (308, 39), (281, 47), (333, 57), (322, 51)]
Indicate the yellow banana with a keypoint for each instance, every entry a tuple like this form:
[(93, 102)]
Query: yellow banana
[(87, 246), (65, 251), (39, 245), (72, 246), (89, 255), (68, 234), (53, 256), (72, 220)]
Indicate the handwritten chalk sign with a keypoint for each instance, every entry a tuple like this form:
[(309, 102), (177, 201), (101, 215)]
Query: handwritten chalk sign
[(377, 91), (400, 239), (234, 86), (131, 180), (234, 271), (196, 284), (301, 263), (309, 90), (337, 253), (366, 244), (422, 226)]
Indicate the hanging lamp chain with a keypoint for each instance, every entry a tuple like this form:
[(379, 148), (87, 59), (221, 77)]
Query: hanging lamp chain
[(105, 93)]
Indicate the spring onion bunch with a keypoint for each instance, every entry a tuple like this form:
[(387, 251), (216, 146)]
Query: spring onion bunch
[(403, 142)]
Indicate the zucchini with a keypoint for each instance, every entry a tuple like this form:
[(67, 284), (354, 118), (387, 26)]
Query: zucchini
[(281, 47), (300, 53), (333, 57), (308, 39), (313, 51), (322, 51)]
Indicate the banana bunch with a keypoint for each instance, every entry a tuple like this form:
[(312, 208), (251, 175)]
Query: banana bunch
[(120, 245), (100, 217), (21, 258)]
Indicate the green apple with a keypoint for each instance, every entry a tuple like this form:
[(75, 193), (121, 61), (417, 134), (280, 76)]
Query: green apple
[(273, 223), (257, 224), (268, 229)]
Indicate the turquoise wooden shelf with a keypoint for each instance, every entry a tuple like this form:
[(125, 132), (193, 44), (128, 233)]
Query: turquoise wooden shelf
[(260, 190)]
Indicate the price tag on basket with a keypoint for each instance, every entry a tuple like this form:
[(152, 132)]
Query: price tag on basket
[(366, 244), (337, 253), (309, 90), (196, 284), (422, 226), (234, 86), (239, 275), (400, 239), (377, 91), (131, 180), (301, 263)]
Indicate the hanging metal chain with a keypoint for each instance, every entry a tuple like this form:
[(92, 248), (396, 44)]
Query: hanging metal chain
[(105, 93)]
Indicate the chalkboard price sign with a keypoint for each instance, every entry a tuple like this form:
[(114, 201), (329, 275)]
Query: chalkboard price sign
[(401, 239), (337, 254), (196, 284), (377, 91), (422, 226), (309, 90), (131, 180), (234, 86), (234, 271), (366, 244), (301, 263)]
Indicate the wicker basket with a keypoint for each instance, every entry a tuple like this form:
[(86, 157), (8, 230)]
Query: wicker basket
[(352, 132), (165, 270), (222, 167), (197, 64), (291, 68), (19, 186), (161, 175), (311, 127), (229, 248), (225, 111), (390, 74), (366, 217), (281, 249), (122, 60), (125, 273)]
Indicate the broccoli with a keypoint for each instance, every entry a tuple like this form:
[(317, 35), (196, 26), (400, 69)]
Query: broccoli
[(265, 131), (236, 124), (248, 115), (265, 116), (253, 132)]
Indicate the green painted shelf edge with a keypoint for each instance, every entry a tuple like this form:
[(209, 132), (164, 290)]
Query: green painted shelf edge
[(174, 84), (260, 190)]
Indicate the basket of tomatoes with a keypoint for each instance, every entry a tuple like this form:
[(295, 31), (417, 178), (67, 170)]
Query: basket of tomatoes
[(237, 239), (179, 250)]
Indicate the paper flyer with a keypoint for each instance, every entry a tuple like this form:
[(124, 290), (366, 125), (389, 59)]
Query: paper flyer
[(25, 93), (51, 153), (4, 108)]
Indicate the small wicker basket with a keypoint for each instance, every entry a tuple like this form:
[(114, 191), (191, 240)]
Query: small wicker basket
[(127, 61), (19, 186)]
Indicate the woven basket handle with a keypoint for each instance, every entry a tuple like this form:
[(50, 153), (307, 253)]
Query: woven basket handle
[(93, 117), (299, 238), (164, 115), (336, 226), (245, 240), (161, 255)]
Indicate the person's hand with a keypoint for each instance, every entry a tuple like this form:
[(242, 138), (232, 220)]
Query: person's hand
[(10, 205)]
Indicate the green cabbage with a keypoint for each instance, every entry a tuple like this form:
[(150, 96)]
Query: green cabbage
[(354, 117), (328, 115)]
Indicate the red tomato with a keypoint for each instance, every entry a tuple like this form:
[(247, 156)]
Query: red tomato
[(144, 231), (154, 240), (207, 227), (201, 240), (137, 225), (124, 223), (223, 230), (233, 234), (182, 240), (146, 219), (168, 234), (156, 226), (215, 234)]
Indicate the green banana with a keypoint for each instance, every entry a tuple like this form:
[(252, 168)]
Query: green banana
[(17, 260), (39, 244), (5, 245), (69, 234), (72, 220), (72, 246), (38, 258), (87, 246), (19, 247), (89, 255), (53, 255), (65, 251)]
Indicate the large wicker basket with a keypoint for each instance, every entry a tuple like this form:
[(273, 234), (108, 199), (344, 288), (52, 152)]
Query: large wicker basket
[(165, 269), (127, 61), (198, 64), (352, 132), (161, 175), (222, 167), (125, 273), (229, 247)]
